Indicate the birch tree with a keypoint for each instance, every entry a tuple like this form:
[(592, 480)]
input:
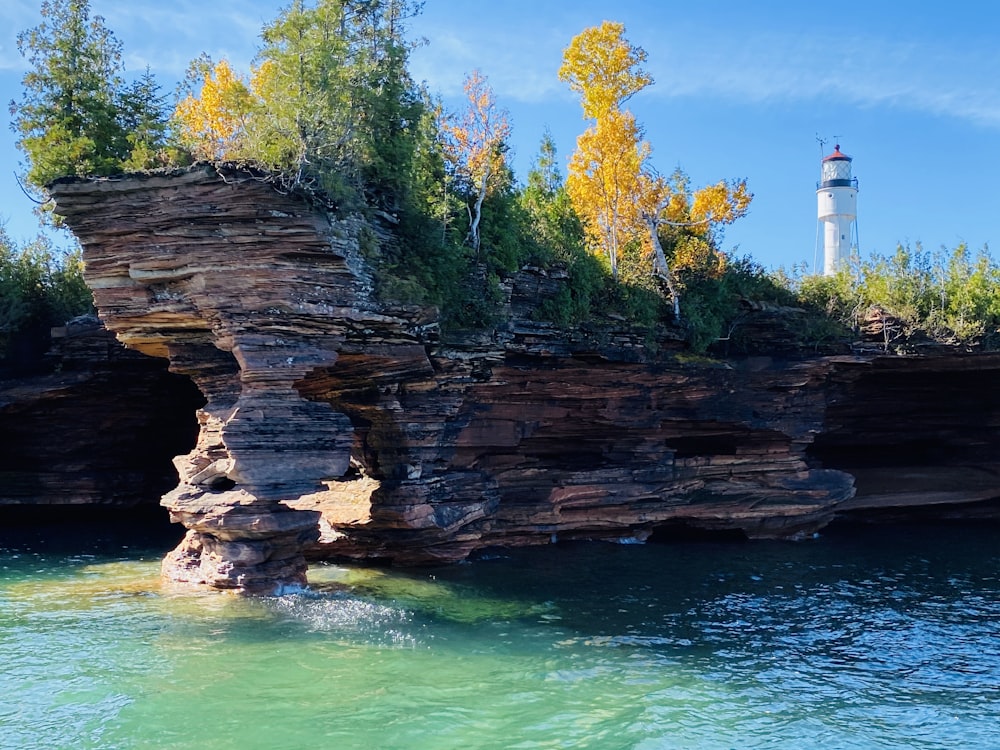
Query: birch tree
[(604, 182), (603, 68), (667, 203), (612, 185), (212, 123), (604, 173), (475, 143)]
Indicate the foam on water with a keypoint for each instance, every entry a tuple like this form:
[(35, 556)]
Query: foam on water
[(344, 616)]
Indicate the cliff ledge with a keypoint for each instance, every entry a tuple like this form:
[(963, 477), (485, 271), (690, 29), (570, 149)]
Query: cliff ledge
[(339, 425)]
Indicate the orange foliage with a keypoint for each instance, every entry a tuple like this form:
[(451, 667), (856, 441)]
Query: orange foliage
[(475, 145), (604, 182), (475, 140)]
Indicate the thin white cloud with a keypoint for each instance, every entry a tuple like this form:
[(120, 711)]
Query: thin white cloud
[(521, 56), (163, 35), (167, 36), (737, 65), (521, 64), (861, 71)]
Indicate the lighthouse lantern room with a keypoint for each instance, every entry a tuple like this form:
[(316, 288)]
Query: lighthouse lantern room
[(837, 210)]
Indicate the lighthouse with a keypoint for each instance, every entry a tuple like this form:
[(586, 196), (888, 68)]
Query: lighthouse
[(837, 209)]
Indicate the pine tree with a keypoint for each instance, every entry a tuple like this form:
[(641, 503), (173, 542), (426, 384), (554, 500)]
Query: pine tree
[(67, 120), (337, 104), (77, 115), (556, 225), (142, 113)]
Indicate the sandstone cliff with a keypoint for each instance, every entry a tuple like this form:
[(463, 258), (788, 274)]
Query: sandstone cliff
[(340, 425)]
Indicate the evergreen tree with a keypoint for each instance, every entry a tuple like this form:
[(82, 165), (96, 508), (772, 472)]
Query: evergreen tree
[(556, 225), (77, 115), (40, 287), (143, 115), (389, 106), (336, 102), (67, 120), (560, 239)]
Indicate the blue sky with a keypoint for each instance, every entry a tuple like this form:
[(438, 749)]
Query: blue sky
[(742, 90)]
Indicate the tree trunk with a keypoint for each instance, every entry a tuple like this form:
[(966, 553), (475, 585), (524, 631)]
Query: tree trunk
[(477, 212), (613, 244), (661, 268)]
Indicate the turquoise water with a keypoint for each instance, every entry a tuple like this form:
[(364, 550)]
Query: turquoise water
[(880, 639)]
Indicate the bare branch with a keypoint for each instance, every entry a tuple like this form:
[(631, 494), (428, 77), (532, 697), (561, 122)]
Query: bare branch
[(28, 195)]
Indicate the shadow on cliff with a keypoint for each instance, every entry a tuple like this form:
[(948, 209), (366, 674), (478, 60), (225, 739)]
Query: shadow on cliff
[(91, 437)]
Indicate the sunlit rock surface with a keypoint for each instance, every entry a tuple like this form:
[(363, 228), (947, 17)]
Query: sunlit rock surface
[(337, 425)]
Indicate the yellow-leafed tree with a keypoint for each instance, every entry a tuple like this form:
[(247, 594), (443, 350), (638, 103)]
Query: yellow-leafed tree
[(213, 123), (613, 189), (604, 182), (692, 218), (603, 68), (475, 146)]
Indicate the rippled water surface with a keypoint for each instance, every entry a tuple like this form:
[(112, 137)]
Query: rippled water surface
[(880, 639)]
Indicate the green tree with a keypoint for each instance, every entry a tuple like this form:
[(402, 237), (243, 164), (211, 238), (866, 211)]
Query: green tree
[(143, 114), (559, 239), (951, 296), (970, 289), (557, 227), (336, 104), (389, 103), (67, 120), (77, 115), (39, 287), (429, 181)]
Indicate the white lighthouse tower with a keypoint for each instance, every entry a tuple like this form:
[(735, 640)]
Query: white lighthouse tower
[(837, 210)]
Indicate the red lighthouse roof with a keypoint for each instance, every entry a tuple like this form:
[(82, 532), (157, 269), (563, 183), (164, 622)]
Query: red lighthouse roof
[(837, 155)]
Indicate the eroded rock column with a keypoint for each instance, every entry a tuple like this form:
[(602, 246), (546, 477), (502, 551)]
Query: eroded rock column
[(245, 291), (259, 452)]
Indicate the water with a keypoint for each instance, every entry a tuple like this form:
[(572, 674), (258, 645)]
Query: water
[(881, 639)]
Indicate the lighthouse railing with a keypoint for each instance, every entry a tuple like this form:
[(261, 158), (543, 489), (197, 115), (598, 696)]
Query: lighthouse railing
[(853, 182)]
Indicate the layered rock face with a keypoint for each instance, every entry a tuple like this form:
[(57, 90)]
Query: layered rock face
[(543, 447), (340, 426), (246, 292)]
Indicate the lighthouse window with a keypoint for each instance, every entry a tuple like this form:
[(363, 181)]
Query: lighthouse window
[(843, 237)]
